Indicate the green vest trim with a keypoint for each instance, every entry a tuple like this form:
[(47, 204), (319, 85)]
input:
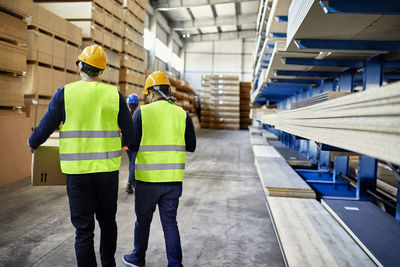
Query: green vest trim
[(162, 152), (89, 139)]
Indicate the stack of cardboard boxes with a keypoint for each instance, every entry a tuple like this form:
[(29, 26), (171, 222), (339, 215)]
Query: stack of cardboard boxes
[(15, 157), (245, 89), (222, 102)]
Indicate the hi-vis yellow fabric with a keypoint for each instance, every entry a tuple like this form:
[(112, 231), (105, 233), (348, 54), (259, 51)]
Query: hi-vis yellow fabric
[(162, 153), (89, 139)]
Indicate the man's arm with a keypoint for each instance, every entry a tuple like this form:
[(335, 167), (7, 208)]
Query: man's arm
[(54, 115), (125, 122), (137, 131), (190, 136)]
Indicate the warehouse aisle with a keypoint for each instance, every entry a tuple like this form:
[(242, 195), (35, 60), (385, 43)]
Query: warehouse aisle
[(222, 217)]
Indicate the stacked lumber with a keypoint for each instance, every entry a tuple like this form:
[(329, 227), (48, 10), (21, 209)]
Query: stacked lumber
[(205, 103), (13, 39), (317, 99), (183, 93), (366, 122), (53, 46), (222, 102), (245, 89), (309, 236)]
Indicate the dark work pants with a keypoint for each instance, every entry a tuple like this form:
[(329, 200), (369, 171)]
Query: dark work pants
[(132, 159), (90, 195), (147, 196)]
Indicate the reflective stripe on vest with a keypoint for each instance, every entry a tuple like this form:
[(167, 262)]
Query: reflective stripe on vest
[(162, 152), (89, 139)]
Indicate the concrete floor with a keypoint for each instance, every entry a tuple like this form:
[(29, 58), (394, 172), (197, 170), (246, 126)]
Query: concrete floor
[(222, 217)]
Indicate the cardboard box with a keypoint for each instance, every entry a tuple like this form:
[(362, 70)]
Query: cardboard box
[(38, 80), (46, 169), (59, 51), (22, 7), (118, 27), (74, 34), (90, 30), (71, 57), (40, 47), (71, 77), (117, 9), (15, 156), (13, 28), (85, 10), (58, 79), (108, 21), (116, 43), (11, 90), (12, 57), (113, 58), (107, 37)]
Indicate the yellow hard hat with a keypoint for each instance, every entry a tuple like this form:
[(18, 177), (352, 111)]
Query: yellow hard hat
[(156, 78), (95, 56)]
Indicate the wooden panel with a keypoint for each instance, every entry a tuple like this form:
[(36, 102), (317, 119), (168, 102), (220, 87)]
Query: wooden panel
[(310, 236), (12, 28), (279, 179), (12, 57), (367, 122)]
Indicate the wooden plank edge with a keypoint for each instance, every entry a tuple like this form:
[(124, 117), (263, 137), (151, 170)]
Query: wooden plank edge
[(351, 234)]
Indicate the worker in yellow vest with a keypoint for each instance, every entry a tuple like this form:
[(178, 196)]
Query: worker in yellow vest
[(91, 113), (163, 134)]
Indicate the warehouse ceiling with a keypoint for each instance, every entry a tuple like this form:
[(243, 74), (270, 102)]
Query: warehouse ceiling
[(203, 20)]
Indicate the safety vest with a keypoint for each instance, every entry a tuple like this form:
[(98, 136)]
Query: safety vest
[(89, 139), (162, 152)]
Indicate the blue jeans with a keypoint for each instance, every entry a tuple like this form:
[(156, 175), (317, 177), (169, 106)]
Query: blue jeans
[(132, 159), (94, 194), (147, 196)]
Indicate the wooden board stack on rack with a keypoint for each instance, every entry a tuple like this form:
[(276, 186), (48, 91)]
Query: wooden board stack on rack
[(183, 93), (205, 101), (221, 96), (53, 46), (101, 24), (133, 56), (15, 157), (245, 89)]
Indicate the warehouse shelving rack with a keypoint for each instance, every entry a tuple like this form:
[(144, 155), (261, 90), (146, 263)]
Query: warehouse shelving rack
[(330, 46)]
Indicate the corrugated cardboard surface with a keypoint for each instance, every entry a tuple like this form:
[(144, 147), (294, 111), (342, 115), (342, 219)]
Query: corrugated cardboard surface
[(13, 28), (38, 80), (11, 90), (40, 47), (15, 156), (12, 57), (46, 168)]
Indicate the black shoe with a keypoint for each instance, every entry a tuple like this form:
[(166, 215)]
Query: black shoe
[(129, 188), (129, 260)]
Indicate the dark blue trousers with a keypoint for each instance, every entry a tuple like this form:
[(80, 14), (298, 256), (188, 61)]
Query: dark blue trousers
[(147, 196), (132, 159), (91, 195)]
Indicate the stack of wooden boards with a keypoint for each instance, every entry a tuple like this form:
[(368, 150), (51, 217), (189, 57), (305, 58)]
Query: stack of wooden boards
[(317, 99), (15, 157), (116, 25), (184, 95), (365, 122), (53, 46), (245, 89), (308, 235), (220, 108)]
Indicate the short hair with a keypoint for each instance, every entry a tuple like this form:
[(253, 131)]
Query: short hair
[(163, 88), (88, 69)]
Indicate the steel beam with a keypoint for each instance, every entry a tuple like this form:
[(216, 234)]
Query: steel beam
[(222, 36), (172, 4), (306, 73), (295, 81), (352, 45), (218, 21), (323, 62), (383, 7)]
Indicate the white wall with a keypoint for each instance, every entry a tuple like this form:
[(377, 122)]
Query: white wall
[(232, 57)]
